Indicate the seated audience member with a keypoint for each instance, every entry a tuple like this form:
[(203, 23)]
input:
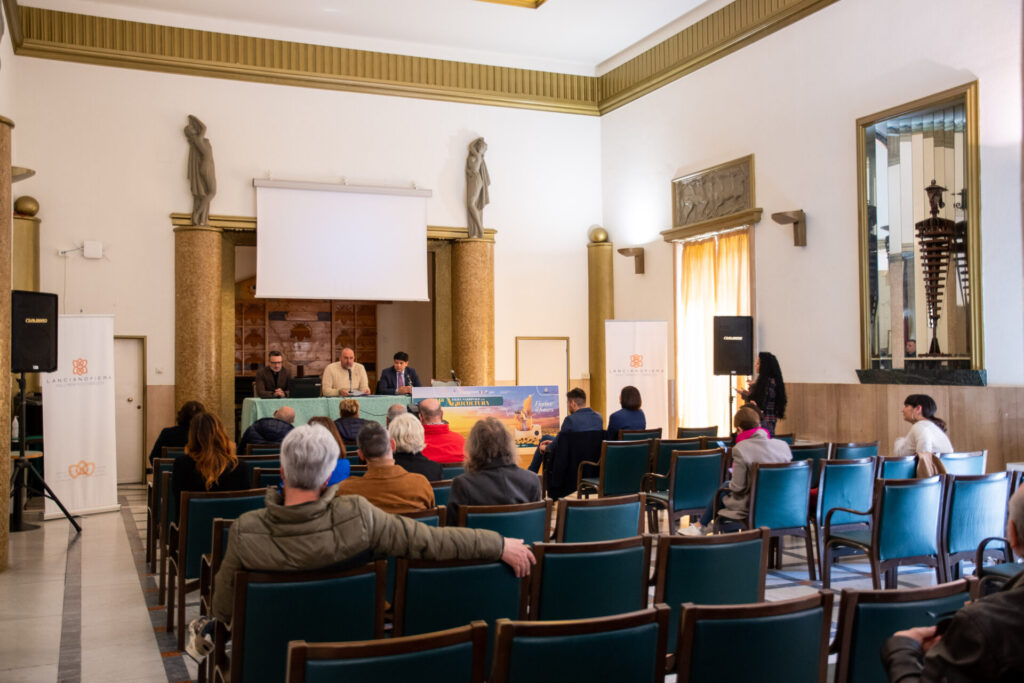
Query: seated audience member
[(399, 378), (581, 418), (209, 462), (385, 484), (345, 377), (630, 416), (344, 468), (394, 411), (272, 379), (927, 432), (349, 423), (981, 642), (492, 475), (442, 444), (308, 527), (268, 430), (176, 436), (755, 448), (407, 434)]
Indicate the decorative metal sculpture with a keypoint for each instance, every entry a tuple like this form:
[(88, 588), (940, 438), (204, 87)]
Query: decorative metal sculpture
[(935, 237)]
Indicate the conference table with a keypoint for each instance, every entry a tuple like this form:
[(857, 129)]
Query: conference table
[(370, 407)]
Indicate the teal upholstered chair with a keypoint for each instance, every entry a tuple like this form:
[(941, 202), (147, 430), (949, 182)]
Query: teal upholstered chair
[(868, 618), (624, 647), (843, 484), (350, 449), (788, 438), (693, 478), (270, 449), (814, 452), (639, 434), (452, 471), (442, 489), (583, 580), (621, 469), (600, 519), (999, 572), (263, 477), (353, 459), (688, 432), (663, 449), (359, 471), (897, 467), (974, 509), (153, 505), (444, 657), (266, 461), (770, 641), (168, 516), (964, 463), (528, 521), (210, 565), (728, 569), (779, 498), (434, 517), (905, 518), (271, 609), (171, 452), (192, 536), (853, 451)]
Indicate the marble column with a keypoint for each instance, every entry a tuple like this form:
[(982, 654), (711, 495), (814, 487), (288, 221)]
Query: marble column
[(25, 265), (473, 311), (601, 300), (197, 316), (6, 211)]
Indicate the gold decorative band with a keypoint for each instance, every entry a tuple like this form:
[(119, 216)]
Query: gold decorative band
[(735, 220)]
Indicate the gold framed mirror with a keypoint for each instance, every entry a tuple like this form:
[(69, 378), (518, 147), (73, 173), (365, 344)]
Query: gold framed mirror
[(920, 235)]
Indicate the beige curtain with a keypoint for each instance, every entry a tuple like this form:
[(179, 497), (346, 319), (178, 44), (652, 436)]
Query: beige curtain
[(714, 279)]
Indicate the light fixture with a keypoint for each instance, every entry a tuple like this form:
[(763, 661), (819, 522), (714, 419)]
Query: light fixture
[(638, 258), (799, 222)]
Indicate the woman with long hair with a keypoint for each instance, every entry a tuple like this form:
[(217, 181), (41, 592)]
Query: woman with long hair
[(176, 436), (927, 432), (209, 462), (768, 392)]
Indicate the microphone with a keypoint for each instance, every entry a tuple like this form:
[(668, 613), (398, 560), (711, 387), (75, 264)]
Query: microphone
[(455, 379), (350, 379)]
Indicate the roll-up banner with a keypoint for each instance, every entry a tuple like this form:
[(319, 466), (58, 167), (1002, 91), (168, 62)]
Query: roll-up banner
[(78, 423), (636, 354)]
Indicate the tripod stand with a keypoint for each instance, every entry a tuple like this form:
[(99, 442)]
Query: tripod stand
[(22, 471)]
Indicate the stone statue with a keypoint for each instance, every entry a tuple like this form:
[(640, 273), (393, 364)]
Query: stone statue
[(477, 181), (201, 176)]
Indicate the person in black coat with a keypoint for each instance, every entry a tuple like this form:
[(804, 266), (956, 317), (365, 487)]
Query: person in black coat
[(268, 430), (176, 436), (349, 423), (209, 462), (398, 379), (407, 433)]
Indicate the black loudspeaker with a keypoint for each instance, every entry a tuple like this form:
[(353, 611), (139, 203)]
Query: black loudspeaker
[(33, 331), (734, 344)]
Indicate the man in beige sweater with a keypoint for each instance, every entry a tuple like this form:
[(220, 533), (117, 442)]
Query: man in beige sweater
[(346, 377)]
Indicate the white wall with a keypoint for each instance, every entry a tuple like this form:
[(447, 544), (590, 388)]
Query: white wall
[(111, 157), (792, 100)]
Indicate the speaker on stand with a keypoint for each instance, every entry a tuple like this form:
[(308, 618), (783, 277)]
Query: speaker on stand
[(733, 349)]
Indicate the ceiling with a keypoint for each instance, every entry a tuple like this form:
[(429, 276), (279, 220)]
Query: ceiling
[(571, 36)]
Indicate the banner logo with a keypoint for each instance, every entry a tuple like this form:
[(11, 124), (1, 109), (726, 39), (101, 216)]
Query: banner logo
[(80, 366), (636, 360), (81, 469)]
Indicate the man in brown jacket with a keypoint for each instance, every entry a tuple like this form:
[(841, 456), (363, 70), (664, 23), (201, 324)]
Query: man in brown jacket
[(385, 484)]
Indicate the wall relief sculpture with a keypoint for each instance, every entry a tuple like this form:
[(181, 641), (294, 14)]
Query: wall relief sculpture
[(712, 193)]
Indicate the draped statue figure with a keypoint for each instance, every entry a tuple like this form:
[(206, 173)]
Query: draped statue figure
[(477, 181), (201, 176)]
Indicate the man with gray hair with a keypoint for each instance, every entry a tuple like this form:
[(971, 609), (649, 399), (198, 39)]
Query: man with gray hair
[(981, 642), (394, 411)]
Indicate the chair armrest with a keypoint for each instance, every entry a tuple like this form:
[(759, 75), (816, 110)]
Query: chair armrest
[(579, 471), (979, 555), (828, 516), (647, 483)]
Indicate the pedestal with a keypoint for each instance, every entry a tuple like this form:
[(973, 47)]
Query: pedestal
[(473, 311), (6, 211), (601, 299), (197, 316)]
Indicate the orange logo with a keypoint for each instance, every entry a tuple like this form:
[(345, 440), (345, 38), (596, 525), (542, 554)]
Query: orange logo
[(81, 469), (636, 360), (80, 366)]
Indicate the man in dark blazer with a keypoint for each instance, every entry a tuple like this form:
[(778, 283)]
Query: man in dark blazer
[(272, 379), (398, 379)]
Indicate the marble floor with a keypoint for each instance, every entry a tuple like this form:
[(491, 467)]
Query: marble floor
[(82, 607)]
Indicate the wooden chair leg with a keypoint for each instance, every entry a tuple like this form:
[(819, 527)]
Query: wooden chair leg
[(876, 576), (891, 578), (162, 564), (181, 615), (171, 596), (809, 543), (826, 565)]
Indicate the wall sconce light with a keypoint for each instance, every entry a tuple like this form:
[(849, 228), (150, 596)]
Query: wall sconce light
[(799, 222), (638, 258)]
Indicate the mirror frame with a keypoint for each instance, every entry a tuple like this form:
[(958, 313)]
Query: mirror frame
[(972, 169)]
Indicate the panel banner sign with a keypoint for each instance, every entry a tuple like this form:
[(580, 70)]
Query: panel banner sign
[(636, 354), (529, 412), (78, 430)]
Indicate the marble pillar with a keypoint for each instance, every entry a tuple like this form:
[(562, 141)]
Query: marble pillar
[(25, 272), (473, 311), (197, 316), (6, 211), (601, 300)]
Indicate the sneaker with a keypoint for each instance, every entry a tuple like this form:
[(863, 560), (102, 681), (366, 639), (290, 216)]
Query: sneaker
[(197, 645), (692, 530)]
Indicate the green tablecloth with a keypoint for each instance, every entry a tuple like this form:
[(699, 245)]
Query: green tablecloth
[(370, 407)]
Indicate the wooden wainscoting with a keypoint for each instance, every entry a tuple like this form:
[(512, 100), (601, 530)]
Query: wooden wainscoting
[(990, 418)]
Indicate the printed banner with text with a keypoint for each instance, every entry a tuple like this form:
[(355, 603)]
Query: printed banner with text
[(529, 412), (636, 353)]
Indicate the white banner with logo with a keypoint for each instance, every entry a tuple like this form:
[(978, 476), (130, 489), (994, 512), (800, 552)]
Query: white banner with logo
[(636, 353), (78, 417)]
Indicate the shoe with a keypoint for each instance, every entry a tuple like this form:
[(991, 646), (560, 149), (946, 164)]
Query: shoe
[(692, 530), (197, 645)]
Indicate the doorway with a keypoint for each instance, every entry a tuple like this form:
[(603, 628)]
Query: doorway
[(130, 408)]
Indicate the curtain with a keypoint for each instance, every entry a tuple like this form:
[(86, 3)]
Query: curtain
[(714, 279)]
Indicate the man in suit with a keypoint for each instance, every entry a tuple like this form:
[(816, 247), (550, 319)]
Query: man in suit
[(399, 378), (581, 418), (346, 377), (272, 379)]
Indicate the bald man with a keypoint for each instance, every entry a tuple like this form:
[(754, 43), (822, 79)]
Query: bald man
[(346, 377), (268, 430), (443, 445)]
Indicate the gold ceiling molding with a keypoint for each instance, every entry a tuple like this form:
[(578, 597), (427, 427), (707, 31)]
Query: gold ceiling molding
[(114, 42), (531, 4)]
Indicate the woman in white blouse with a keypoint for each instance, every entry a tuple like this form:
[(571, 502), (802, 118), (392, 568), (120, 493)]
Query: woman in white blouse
[(927, 433)]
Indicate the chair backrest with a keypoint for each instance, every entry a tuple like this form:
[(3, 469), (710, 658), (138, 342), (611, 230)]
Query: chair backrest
[(685, 432), (624, 647), (263, 449), (694, 476), (195, 524), (897, 467), (788, 438), (974, 509), (639, 434), (272, 609), (845, 484), (853, 451), (571, 449), (350, 449), (905, 519), (599, 519), (815, 452), (972, 462), (663, 454), (456, 654), (267, 461), (1016, 477), (221, 530), (452, 471), (528, 521), (583, 580), (357, 470), (727, 569), (779, 494), (623, 466), (265, 476), (867, 618), (168, 504), (708, 638), (171, 452), (442, 488), (434, 516), (160, 465)]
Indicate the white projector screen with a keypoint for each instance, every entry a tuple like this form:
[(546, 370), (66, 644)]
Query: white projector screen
[(322, 241)]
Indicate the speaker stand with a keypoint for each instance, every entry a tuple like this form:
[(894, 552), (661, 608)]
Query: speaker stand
[(22, 471), (732, 390)]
